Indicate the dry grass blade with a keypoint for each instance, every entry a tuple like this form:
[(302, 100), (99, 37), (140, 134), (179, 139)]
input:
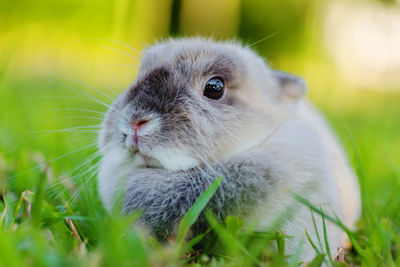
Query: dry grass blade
[(27, 195), (3, 215), (73, 229), (340, 255)]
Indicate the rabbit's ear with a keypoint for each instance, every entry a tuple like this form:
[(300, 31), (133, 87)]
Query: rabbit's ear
[(291, 86)]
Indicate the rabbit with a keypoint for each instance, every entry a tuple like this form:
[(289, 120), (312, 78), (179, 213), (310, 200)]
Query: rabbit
[(200, 109)]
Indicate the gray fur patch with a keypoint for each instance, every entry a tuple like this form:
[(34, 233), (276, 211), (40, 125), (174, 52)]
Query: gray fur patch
[(165, 196)]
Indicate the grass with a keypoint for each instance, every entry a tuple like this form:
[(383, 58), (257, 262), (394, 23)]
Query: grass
[(50, 213)]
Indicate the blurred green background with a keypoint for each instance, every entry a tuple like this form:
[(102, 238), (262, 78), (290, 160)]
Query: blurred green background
[(52, 51), (89, 41)]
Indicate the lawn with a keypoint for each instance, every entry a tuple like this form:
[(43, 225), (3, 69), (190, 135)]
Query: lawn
[(56, 60), (50, 213)]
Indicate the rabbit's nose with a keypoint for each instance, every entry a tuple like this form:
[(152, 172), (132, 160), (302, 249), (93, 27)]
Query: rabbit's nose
[(137, 124), (135, 139)]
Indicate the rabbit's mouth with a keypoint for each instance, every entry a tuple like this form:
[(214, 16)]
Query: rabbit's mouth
[(137, 149), (135, 143)]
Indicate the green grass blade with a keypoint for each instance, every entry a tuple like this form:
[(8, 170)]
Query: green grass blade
[(317, 261), (37, 203), (312, 243), (294, 259), (327, 248), (316, 230), (361, 179), (231, 243), (194, 212), (189, 245), (15, 213), (280, 243), (336, 221)]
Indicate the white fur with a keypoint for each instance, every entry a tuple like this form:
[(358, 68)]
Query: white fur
[(174, 158), (112, 174), (301, 167)]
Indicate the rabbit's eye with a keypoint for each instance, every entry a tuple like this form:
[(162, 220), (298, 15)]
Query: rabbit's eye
[(214, 88)]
